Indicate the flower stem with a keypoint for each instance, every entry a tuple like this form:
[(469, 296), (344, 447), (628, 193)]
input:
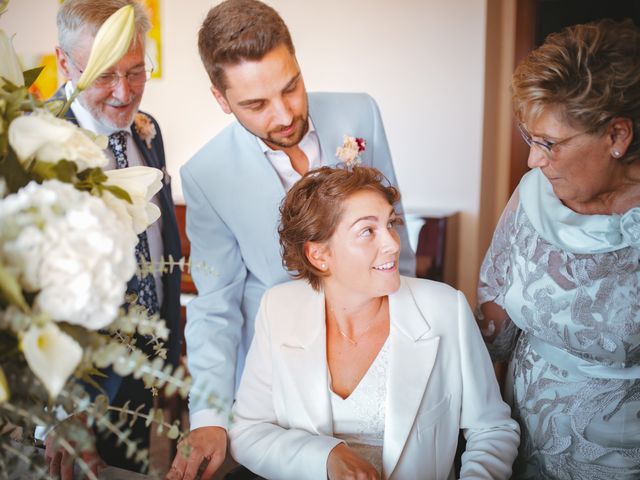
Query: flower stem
[(68, 103)]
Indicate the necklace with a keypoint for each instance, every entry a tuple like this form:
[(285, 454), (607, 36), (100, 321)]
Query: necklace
[(354, 341)]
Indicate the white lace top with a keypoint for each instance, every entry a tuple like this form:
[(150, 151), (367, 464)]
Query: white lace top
[(359, 418)]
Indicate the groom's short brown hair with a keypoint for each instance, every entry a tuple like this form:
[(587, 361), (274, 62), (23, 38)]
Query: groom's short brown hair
[(239, 30)]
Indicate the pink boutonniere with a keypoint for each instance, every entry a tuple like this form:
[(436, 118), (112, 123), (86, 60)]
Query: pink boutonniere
[(350, 151), (145, 128)]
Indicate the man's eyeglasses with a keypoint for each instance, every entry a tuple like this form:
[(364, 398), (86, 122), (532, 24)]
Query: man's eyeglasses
[(136, 77), (546, 146)]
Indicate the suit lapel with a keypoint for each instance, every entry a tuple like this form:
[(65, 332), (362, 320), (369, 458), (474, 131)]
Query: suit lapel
[(149, 154), (327, 130), (304, 354), (333, 120), (255, 189), (412, 357)]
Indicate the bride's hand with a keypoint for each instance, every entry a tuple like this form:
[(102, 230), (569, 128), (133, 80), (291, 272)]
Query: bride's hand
[(345, 464)]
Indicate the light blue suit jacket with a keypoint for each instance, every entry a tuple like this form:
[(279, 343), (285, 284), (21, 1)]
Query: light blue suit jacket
[(232, 194)]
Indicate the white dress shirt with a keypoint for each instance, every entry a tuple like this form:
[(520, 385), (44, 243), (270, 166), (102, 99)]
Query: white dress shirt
[(309, 144)]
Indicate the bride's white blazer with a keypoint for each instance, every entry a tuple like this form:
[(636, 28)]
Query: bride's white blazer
[(440, 381)]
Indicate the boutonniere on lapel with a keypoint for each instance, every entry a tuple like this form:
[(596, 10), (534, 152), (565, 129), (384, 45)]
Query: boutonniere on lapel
[(350, 151), (145, 128)]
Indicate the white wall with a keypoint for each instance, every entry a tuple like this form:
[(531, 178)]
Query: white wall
[(423, 61)]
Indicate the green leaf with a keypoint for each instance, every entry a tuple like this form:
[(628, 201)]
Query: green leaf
[(9, 86), (92, 175), (10, 290), (31, 75), (43, 170), (54, 106), (118, 192), (65, 171), (13, 172), (173, 432)]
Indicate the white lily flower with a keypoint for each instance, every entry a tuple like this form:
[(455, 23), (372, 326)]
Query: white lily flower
[(141, 183), (49, 139), (4, 387), (110, 44), (51, 354), (9, 65)]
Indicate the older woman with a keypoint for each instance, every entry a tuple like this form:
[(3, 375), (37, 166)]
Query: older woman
[(559, 285), (354, 371)]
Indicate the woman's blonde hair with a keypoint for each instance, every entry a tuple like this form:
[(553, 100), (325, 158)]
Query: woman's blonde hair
[(591, 72)]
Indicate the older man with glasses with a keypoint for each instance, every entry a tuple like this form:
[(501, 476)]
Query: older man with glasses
[(109, 107)]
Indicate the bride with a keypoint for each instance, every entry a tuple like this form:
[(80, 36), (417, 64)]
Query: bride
[(355, 371)]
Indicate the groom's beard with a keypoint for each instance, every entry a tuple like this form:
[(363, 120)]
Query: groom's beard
[(281, 138)]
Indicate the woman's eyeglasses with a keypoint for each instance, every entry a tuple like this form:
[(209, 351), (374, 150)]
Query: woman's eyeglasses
[(546, 146)]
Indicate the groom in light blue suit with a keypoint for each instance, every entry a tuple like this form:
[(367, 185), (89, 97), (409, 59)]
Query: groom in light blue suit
[(233, 187)]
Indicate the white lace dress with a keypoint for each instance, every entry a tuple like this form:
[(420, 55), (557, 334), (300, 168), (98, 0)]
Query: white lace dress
[(359, 418), (570, 285)]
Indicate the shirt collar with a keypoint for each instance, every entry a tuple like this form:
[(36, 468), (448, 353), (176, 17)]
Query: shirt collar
[(86, 120)]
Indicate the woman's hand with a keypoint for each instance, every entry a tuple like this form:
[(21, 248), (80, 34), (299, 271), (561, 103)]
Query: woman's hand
[(345, 464)]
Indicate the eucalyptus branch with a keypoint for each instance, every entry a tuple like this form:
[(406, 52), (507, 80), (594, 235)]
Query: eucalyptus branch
[(122, 437), (21, 412), (81, 463), (95, 413), (153, 416), (41, 472)]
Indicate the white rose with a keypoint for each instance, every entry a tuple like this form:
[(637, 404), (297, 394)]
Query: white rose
[(141, 183), (49, 139), (51, 354), (68, 248)]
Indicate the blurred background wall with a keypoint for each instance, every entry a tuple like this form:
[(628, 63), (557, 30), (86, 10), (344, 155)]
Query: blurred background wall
[(438, 69)]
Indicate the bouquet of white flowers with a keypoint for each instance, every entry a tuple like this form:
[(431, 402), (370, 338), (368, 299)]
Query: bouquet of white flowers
[(68, 232)]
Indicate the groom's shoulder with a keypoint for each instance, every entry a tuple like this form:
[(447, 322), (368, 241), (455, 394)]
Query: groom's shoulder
[(341, 100), (217, 149)]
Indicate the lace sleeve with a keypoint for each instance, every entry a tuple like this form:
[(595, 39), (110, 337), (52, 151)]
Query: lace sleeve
[(500, 334)]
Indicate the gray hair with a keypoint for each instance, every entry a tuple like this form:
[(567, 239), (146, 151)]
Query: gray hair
[(78, 16)]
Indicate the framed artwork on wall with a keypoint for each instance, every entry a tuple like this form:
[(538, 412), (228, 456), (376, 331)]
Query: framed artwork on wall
[(154, 38)]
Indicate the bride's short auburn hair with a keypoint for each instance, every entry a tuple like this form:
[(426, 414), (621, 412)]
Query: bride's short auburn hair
[(313, 207)]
